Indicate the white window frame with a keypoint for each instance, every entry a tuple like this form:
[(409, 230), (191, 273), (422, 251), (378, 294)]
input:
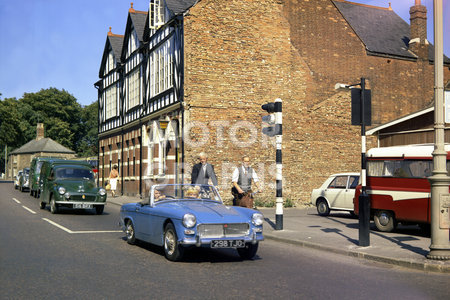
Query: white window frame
[(133, 88), (157, 14), (111, 101), (110, 62), (161, 66)]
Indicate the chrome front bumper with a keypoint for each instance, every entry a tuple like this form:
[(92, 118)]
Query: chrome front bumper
[(253, 238), (79, 202)]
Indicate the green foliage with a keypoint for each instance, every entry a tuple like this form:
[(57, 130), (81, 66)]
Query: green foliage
[(288, 202), (264, 202), (65, 121), (87, 144)]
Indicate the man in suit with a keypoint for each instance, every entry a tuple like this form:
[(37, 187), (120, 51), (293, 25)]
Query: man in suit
[(203, 171)]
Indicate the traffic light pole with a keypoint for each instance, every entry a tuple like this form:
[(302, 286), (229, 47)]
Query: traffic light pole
[(363, 200), (275, 118), (279, 165)]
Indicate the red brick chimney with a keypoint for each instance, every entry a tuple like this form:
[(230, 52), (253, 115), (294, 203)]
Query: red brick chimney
[(418, 42), (40, 131)]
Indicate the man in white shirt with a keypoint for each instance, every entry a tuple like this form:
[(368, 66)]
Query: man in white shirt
[(242, 181)]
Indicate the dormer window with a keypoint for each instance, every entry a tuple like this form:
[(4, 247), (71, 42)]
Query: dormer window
[(110, 61), (156, 13), (133, 42)]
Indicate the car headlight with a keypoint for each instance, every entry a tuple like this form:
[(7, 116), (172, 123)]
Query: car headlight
[(61, 190), (257, 219), (102, 192), (189, 220)]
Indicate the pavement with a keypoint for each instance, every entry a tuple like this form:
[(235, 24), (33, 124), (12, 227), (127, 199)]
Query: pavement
[(338, 233)]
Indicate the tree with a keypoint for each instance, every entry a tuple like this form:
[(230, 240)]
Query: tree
[(58, 110), (88, 143), (65, 121)]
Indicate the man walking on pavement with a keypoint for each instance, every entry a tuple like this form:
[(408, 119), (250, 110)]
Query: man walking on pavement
[(203, 171), (242, 182)]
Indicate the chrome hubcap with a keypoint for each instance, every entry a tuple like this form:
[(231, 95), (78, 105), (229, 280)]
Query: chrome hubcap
[(322, 207), (129, 232), (169, 242), (384, 218)]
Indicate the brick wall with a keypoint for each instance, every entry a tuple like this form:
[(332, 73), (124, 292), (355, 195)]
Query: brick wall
[(241, 54)]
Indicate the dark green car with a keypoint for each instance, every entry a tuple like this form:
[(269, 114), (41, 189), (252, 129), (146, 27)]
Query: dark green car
[(35, 171), (70, 183)]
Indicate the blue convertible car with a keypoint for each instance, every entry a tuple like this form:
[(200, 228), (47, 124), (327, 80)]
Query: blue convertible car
[(177, 216)]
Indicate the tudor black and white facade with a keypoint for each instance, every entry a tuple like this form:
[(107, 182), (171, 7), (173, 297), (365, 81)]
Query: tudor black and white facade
[(140, 94)]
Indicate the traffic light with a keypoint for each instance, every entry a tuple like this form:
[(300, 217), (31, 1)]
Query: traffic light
[(274, 118)]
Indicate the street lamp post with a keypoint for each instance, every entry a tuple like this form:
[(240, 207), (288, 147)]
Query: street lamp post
[(359, 117), (440, 246)]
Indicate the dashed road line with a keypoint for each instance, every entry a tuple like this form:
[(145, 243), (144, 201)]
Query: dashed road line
[(81, 231), (17, 201), (30, 210)]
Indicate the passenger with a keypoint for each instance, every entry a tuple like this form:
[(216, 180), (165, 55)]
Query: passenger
[(192, 193)]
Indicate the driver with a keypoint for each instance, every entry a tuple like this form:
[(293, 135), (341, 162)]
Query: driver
[(157, 195)]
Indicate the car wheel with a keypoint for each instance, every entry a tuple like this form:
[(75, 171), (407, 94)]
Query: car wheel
[(42, 205), (172, 248), (99, 209), (385, 221), (53, 206), (131, 237), (249, 251), (322, 208)]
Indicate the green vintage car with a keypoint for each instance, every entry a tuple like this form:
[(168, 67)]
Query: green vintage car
[(70, 183), (35, 171)]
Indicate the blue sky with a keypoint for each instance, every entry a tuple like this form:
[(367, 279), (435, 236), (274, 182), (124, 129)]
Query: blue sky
[(59, 43)]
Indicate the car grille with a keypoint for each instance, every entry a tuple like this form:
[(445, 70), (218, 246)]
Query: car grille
[(222, 230), (80, 198)]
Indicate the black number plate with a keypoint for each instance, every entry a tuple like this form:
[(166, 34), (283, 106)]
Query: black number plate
[(228, 244)]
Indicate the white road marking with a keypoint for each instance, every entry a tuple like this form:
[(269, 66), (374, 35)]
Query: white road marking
[(82, 231), (31, 211), (17, 201), (57, 225)]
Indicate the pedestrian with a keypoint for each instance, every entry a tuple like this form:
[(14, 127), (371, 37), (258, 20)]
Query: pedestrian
[(203, 171), (113, 177), (242, 184)]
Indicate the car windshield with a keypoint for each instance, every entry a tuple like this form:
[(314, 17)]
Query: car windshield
[(185, 192), (69, 173)]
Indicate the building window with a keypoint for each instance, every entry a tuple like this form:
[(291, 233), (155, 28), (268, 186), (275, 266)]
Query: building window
[(156, 13), (111, 102), (133, 42), (110, 62), (161, 65), (133, 89)]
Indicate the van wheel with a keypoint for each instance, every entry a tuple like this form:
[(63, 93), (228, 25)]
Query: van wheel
[(385, 220), (53, 206), (322, 208)]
